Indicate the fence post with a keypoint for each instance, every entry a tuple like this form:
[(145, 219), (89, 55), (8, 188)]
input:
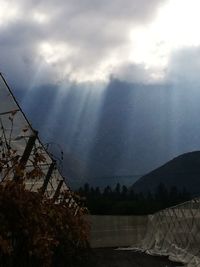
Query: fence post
[(57, 192), (48, 176), (27, 152)]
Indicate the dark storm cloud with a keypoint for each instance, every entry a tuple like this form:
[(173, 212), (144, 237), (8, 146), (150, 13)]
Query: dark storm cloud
[(140, 124), (92, 29), (135, 73), (138, 128), (184, 67)]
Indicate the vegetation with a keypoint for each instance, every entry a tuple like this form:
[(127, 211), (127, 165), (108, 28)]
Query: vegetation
[(38, 231), (124, 201), (34, 231)]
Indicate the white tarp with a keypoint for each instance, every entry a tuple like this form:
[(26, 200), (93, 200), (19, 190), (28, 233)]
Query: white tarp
[(175, 232)]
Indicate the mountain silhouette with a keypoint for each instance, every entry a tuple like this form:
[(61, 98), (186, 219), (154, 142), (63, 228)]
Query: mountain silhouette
[(182, 172)]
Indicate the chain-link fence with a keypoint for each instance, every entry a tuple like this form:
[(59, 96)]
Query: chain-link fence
[(175, 232), (22, 154)]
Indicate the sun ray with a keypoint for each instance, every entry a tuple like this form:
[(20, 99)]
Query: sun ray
[(175, 26)]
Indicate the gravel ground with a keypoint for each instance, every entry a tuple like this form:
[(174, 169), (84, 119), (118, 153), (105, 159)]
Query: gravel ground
[(108, 257)]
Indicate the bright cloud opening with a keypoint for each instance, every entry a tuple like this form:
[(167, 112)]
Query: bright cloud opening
[(7, 12), (91, 47), (54, 52), (40, 17), (176, 26)]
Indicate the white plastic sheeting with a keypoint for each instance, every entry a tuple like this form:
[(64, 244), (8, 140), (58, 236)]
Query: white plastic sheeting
[(15, 131), (175, 232)]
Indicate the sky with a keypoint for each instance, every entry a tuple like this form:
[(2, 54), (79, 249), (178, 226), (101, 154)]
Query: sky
[(115, 83)]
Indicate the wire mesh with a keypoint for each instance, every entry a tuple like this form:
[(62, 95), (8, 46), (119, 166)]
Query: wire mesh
[(15, 134), (175, 232)]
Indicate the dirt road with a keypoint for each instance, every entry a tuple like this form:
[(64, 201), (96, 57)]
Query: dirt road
[(108, 257)]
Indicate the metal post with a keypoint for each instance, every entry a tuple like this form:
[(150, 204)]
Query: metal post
[(57, 192), (27, 152), (48, 176)]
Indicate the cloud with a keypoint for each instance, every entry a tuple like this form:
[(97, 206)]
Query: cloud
[(83, 39), (140, 123), (184, 67), (137, 73), (131, 129)]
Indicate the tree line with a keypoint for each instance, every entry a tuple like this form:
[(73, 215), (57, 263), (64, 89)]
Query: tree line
[(122, 200)]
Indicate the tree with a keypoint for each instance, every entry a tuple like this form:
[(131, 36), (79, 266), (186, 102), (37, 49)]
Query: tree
[(124, 191), (173, 196), (118, 189), (86, 188), (35, 231), (97, 191), (107, 191), (162, 196)]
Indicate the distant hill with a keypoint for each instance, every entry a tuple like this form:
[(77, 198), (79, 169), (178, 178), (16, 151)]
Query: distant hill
[(182, 171)]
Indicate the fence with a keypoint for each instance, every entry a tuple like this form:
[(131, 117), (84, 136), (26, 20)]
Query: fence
[(175, 232), (116, 231), (22, 153)]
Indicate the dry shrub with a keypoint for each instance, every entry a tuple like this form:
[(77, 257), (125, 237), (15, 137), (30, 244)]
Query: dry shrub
[(35, 231)]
